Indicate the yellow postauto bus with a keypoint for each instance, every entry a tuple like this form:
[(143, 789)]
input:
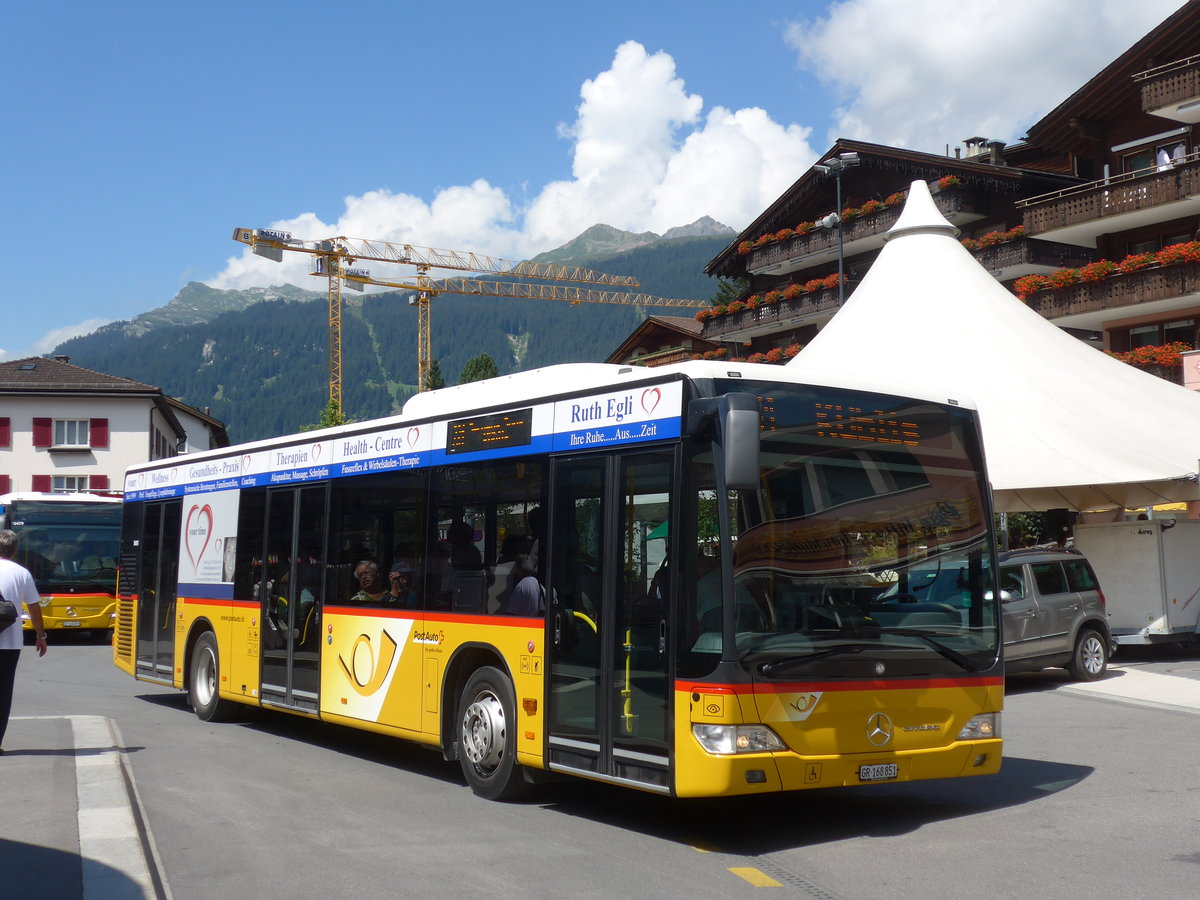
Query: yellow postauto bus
[(691, 580), (69, 543)]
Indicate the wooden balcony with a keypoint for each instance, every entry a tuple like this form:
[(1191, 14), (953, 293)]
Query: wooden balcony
[(1172, 91), (1077, 215), (1030, 256), (819, 306), (1155, 291), (860, 235)]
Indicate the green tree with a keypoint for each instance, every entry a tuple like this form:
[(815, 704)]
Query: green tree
[(434, 378), (728, 290), (330, 416), (478, 368)]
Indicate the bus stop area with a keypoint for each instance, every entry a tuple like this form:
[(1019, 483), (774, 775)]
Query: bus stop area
[(70, 820)]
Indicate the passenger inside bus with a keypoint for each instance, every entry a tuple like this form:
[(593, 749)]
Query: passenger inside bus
[(400, 582), (527, 596), (371, 588)]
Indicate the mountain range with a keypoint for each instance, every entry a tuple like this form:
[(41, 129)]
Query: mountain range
[(258, 358)]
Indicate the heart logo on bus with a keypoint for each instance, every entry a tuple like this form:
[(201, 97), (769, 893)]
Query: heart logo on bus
[(246, 463), (199, 531), (413, 434), (650, 398), (316, 452)]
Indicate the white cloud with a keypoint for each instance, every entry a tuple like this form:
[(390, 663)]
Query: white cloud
[(644, 158), (927, 73), (53, 338)]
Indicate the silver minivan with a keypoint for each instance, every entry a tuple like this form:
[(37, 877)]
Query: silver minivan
[(1053, 612)]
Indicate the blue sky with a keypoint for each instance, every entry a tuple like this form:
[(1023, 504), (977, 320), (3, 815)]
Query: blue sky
[(138, 135)]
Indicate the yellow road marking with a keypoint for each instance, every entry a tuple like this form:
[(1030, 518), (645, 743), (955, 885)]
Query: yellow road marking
[(755, 877)]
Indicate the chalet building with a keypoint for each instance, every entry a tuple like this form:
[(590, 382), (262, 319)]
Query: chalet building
[(660, 340), (1075, 218), (803, 256), (1130, 134), (66, 428)]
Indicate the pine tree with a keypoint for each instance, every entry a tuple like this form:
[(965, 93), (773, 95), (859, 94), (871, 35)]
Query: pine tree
[(478, 368), (434, 378), (330, 416)]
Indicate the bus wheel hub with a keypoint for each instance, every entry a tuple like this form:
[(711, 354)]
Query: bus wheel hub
[(483, 732)]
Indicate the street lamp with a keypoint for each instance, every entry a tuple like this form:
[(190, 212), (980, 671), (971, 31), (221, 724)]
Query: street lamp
[(836, 165)]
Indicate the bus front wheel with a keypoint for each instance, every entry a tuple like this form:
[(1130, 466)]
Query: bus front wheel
[(206, 677), (487, 736)]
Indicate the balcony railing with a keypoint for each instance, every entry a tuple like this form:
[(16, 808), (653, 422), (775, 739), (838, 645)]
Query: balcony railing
[(1170, 85), (1026, 256), (1118, 292), (954, 203), (1120, 194), (772, 317)]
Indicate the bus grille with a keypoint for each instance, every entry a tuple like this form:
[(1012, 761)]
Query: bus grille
[(123, 632)]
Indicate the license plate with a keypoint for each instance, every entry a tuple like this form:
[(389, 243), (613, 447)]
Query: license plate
[(76, 625), (882, 772)]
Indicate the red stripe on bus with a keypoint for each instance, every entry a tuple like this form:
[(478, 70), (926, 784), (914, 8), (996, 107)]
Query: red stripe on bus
[(790, 687)]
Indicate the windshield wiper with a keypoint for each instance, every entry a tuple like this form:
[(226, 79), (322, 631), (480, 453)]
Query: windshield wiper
[(948, 652), (768, 668)]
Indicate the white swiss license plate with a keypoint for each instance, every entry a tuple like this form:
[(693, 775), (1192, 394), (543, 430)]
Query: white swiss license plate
[(76, 625), (882, 772)]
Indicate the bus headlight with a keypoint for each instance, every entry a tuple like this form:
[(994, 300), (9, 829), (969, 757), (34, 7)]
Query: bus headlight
[(729, 739), (981, 728)]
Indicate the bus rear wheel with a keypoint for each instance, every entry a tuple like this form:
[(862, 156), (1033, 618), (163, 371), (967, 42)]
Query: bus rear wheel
[(487, 737), (203, 686)]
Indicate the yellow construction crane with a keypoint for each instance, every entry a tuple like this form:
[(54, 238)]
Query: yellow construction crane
[(333, 258)]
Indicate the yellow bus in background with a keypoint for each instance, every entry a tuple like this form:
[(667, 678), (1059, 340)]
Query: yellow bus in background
[(691, 580), (70, 544)]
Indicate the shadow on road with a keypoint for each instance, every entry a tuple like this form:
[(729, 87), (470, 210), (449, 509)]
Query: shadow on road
[(33, 871), (752, 826)]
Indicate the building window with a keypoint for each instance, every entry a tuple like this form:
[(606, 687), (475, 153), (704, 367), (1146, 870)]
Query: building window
[(1181, 330), (1143, 336), (69, 484), (71, 433)]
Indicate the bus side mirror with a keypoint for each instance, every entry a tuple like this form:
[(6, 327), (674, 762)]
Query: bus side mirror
[(736, 416), (740, 436)]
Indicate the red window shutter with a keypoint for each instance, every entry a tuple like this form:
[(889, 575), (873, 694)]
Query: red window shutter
[(5, 432), (98, 482), (43, 433), (98, 433), (42, 483), (5, 484)]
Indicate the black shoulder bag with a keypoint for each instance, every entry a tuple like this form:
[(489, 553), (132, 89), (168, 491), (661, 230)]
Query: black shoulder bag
[(8, 613)]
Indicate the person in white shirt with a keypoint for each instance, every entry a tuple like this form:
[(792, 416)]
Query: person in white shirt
[(16, 584)]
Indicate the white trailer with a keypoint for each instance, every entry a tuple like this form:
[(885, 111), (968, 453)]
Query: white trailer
[(1150, 574)]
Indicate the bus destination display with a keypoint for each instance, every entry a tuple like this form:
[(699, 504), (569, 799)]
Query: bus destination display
[(852, 423), (508, 429)]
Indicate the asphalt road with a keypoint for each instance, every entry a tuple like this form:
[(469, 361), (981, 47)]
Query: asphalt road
[(1097, 798)]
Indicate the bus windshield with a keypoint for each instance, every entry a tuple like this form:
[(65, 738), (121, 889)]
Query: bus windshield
[(865, 549), (68, 546)]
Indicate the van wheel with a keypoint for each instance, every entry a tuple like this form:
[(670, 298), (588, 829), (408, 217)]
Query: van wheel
[(1090, 658), (487, 736), (203, 686)]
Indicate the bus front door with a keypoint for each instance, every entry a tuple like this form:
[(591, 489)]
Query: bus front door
[(609, 690), (158, 568), (291, 600)]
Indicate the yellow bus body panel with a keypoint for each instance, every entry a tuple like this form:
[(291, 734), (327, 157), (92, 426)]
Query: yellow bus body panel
[(831, 732), (75, 612), (386, 670)]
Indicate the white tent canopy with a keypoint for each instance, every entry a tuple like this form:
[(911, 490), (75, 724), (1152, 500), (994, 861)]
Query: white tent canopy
[(1064, 425)]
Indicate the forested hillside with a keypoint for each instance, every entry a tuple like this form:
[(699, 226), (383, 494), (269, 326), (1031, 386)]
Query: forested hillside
[(264, 370)]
